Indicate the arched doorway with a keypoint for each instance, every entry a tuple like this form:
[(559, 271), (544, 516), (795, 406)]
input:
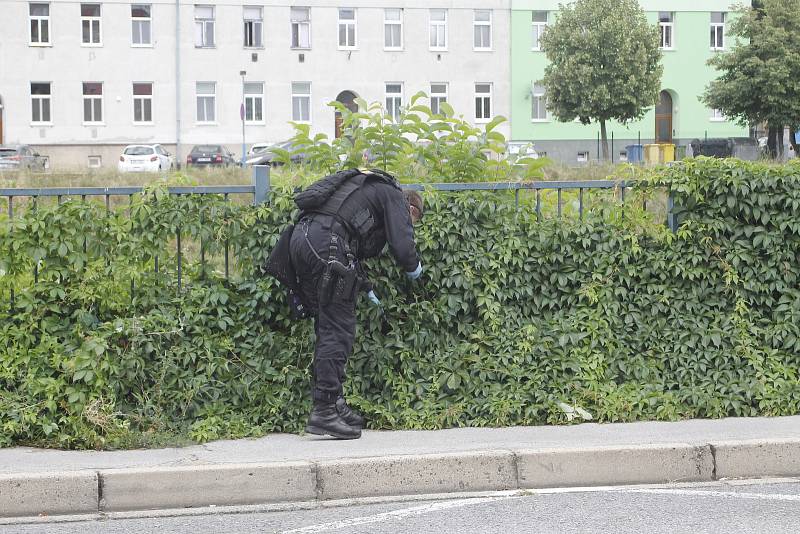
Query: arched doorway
[(664, 118), (348, 98)]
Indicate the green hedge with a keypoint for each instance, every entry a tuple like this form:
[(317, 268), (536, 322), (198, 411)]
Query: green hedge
[(516, 322)]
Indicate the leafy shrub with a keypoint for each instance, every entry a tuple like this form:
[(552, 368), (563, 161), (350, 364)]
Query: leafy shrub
[(517, 320)]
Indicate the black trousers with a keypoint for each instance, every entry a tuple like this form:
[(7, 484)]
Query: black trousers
[(335, 321)]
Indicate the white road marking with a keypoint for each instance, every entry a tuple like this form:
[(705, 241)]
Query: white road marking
[(711, 493), (396, 514)]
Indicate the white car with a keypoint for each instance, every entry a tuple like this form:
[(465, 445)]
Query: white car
[(145, 158), (258, 147)]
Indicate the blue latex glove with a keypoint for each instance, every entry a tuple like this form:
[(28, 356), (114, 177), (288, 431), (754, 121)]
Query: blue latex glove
[(413, 275), (374, 298)]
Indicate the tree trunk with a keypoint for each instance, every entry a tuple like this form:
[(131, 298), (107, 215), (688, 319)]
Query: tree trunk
[(604, 138), (780, 142), (772, 142)]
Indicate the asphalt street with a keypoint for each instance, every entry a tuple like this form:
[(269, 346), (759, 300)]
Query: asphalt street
[(725, 508)]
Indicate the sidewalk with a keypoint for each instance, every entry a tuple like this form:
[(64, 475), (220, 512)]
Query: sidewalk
[(290, 468)]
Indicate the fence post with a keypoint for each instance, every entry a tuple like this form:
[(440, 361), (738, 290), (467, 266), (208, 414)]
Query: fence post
[(261, 183), (671, 223)]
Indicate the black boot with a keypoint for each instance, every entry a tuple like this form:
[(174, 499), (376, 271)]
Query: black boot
[(350, 417), (325, 419)]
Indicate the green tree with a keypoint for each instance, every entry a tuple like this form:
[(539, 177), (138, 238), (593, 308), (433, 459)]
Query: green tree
[(604, 63), (760, 75)]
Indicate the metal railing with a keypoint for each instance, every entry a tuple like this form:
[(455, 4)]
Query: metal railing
[(260, 189)]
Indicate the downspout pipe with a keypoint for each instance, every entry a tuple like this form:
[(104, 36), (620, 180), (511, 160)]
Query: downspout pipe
[(178, 158)]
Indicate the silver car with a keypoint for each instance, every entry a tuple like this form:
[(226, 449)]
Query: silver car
[(17, 157)]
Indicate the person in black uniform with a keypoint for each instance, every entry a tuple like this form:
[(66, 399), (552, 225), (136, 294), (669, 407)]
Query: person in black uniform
[(365, 211)]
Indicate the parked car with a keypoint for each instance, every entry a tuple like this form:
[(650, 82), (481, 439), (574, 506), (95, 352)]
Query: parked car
[(16, 157), (145, 158), (216, 155), (267, 156), (258, 147)]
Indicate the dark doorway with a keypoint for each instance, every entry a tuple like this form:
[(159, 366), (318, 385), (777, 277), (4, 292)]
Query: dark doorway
[(348, 98), (664, 118)]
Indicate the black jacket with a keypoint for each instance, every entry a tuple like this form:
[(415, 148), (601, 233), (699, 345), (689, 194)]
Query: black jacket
[(393, 225)]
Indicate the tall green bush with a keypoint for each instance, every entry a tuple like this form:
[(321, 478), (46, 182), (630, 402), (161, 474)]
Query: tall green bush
[(516, 321)]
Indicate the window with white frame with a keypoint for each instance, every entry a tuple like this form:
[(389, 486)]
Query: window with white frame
[(301, 27), (538, 26), (393, 29), (583, 157), (90, 24), (438, 29), (394, 100), (301, 101), (483, 102), (141, 22), (39, 15), (142, 102), (206, 101), (204, 26), (254, 102), (482, 29), (717, 116), (666, 23), (253, 26), (538, 103), (438, 96), (347, 28), (717, 31), (40, 102), (92, 102)]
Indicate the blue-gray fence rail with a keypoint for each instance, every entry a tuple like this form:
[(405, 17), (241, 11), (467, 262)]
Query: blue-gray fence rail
[(261, 186)]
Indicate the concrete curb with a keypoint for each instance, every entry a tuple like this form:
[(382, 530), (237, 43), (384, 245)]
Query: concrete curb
[(112, 490)]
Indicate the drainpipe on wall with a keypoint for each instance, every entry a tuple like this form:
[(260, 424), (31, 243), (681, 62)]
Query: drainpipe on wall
[(178, 160)]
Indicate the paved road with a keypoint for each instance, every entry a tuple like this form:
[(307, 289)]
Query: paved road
[(728, 508)]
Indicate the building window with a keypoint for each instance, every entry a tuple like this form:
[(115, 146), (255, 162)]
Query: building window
[(95, 162), (301, 27), (40, 103), (393, 29), (206, 101), (717, 31), (40, 23), (438, 96), (538, 26), (717, 116), (483, 102), (90, 24), (142, 102), (482, 30), (583, 157), (140, 25), (254, 102), (92, 102), (666, 21), (394, 100), (347, 28), (204, 26), (538, 103), (438, 29), (253, 26), (301, 101)]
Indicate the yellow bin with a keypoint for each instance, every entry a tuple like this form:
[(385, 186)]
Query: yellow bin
[(668, 152), (652, 154)]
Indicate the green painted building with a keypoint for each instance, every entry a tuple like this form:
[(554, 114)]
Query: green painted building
[(691, 32)]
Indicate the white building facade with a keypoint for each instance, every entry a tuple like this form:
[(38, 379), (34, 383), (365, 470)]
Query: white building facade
[(79, 80)]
